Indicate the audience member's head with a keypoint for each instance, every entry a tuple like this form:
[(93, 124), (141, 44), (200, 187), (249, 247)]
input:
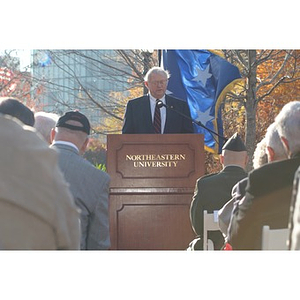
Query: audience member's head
[(274, 145), (73, 127), (288, 121), (14, 107), (234, 152), (44, 122), (260, 155)]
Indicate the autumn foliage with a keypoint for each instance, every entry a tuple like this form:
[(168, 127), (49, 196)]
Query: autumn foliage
[(287, 90), (271, 96), (20, 85)]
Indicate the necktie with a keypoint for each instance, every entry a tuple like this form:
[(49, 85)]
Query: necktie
[(157, 120)]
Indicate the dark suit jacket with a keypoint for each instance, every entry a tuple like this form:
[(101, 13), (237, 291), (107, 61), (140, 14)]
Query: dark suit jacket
[(138, 116), (211, 193), (267, 202)]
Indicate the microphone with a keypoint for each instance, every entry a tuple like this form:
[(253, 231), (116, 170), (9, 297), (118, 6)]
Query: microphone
[(160, 104)]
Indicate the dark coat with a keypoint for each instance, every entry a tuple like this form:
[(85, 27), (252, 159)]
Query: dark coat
[(138, 116), (267, 202), (211, 193), (238, 192)]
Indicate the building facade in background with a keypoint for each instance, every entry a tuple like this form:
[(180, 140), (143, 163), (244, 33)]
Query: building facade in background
[(80, 79)]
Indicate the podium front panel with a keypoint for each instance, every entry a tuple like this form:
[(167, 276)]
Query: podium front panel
[(151, 222), (155, 160), (152, 182)]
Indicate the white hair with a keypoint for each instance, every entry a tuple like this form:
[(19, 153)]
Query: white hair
[(156, 70), (260, 155), (288, 121), (44, 122), (273, 140)]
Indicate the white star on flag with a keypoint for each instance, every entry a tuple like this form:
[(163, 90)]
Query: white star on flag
[(202, 75), (204, 117)]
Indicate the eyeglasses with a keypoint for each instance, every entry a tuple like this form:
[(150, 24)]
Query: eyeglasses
[(161, 82)]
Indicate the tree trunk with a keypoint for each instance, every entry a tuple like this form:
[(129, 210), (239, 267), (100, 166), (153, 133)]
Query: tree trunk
[(250, 105)]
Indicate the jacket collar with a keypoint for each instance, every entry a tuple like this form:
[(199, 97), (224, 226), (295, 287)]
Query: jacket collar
[(66, 145), (233, 168)]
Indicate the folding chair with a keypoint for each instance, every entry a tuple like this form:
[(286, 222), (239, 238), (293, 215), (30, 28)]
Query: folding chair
[(210, 223), (274, 239)]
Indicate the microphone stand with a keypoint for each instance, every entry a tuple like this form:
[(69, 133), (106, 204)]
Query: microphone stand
[(161, 104)]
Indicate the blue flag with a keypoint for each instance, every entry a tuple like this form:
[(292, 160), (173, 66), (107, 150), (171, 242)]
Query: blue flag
[(201, 78), (43, 58)]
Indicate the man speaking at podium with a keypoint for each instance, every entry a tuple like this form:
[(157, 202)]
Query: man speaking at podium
[(157, 112)]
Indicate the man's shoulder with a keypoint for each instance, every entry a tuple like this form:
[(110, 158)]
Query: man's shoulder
[(138, 99), (174, 99), (274, 168), (266, 168), (207, 177), (220, 177), (67, 153), (272, 176), (214, 176)]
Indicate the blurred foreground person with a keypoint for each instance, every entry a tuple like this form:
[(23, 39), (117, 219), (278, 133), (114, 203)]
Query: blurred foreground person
[(269, 149), (14, 107), (269, 189), (89, 185), (37, 210)]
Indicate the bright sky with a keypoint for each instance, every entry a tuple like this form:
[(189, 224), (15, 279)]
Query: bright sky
[(24, 58), (24, 55)]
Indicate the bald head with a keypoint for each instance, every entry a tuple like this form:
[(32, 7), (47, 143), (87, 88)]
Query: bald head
[(239, 158)]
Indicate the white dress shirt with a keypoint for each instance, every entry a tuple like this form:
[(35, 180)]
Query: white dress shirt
[(163, 112)]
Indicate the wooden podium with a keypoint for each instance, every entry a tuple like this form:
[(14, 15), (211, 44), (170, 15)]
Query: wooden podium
[(152, 183)]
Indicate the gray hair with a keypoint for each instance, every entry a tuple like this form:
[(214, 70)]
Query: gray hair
[(156, 70), (44, 122), (288, 121), (260, 155), (273, 140)]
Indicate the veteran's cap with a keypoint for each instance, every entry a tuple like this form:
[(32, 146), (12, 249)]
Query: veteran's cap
[(74, 116), (235, 143)]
